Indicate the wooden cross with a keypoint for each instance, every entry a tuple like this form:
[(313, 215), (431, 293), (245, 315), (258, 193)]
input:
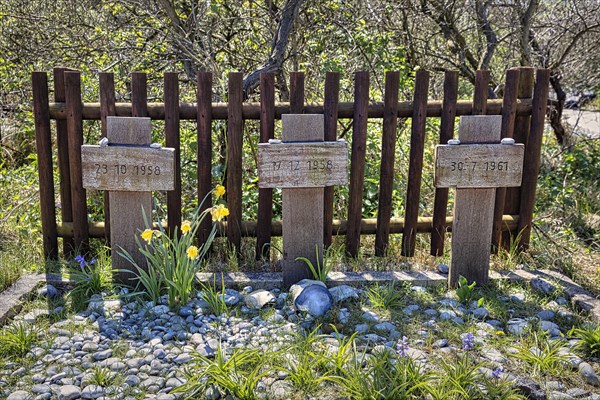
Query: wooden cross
[(130, 169), (302, 165), (476, 164)]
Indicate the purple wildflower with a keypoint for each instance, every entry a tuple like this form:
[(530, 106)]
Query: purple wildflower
[(93, 261), (402, 346), (497, 372), (81, 260), (468, 341)]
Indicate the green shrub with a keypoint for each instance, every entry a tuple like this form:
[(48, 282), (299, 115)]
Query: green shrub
[(589, 337)]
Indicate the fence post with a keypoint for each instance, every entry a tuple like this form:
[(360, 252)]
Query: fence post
[(415, 171), (438, 231), (75, 133), (531, 162), (386, 175), (265, 196), (509, 111), (173, 140), (330, 110), (107, 108), (357, 165), (234, 160), (43, 140), (204, 148), (62, 143)]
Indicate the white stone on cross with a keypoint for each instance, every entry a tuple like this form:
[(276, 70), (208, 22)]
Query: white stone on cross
[(130, 168), (476, 165), (302, 164)]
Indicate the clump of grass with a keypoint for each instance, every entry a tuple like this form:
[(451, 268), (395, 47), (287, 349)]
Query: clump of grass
[(386, 297), (236, 375), (542, 355), (10, 271), (215, 297), (17, 339), (323, 267), (101, 376), (91, 277), (589, 337)]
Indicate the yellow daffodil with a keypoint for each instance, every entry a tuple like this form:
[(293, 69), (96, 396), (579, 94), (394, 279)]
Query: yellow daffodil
[(219, 191), (147, 235), (186, 226), (218, 212), (192, 252)]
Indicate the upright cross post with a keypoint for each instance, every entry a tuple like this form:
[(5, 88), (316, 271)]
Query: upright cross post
[(302, 165), (476, 165), (129, 168)]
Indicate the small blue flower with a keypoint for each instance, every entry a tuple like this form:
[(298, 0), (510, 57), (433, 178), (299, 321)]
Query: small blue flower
[(468, 341), (81, 260), (402, 346), (497, 372), (93, 261)]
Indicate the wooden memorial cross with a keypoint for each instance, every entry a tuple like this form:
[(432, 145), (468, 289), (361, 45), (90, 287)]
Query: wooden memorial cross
[(476, 164), (302, 165), (130, 169)]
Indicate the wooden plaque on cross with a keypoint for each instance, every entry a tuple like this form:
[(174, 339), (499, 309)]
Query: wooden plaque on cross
[(476, 165), (130, 169), (302, 165)]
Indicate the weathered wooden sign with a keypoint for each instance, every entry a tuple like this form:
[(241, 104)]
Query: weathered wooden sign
[(130, 170), (478, 165), (302, 165), (292, 165), (476, 170)]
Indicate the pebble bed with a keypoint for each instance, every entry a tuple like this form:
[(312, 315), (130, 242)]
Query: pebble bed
[(149, 345)]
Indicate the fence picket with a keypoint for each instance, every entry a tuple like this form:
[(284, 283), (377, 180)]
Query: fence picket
[(204, 147), (417, 146), (357, 163), (265, 196), (440, 206), (173, 140), (62, 144), (107, 108), (330, 111), (388, 147), (234, 160)]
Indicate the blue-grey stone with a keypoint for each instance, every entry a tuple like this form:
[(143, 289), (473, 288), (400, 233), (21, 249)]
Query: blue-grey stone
[(314, 299), (587, 372), (385, 327), (343, 316), (443, 269), (370, 316), (48, 291), (411, 309), (438, 344), (546, 315), (69, 392), (480, 313), (343, 293), (542, 286), (186, 311), (361, 328)]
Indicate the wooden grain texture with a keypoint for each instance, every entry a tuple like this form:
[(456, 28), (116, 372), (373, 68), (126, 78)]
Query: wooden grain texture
[(440, 206), (234, 160), (509, 113), (75, 138), (107, 108), (62, 144), (386, 173), (128, 209), (204, 151), (302, 217), (473, 210), (130, 169), (43, 141), (139, 95), (368, 226), (251, 111), (480, 95), (173, 141), (415, 171), (330, 112), (297, 165), (265, 196), (478, 165), (296, 92), (532, 157), (521, 132), (357, 165)]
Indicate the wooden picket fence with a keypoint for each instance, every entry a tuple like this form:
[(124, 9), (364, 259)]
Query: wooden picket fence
[(523, 109)]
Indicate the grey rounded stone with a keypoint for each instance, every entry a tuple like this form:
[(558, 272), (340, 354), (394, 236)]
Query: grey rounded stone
[(587, 372), (481, 313), (443, 269), (20, 395), (438, 344), (69, 392), (546, 315), (258, 299), (343, 293), (92, 392), (315, 300), (542, 286), (48, 291)]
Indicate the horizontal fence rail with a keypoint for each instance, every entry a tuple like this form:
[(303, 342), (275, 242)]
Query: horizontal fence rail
[(522, 109)]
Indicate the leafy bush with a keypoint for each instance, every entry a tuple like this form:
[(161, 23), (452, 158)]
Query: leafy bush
[(464, 290)]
